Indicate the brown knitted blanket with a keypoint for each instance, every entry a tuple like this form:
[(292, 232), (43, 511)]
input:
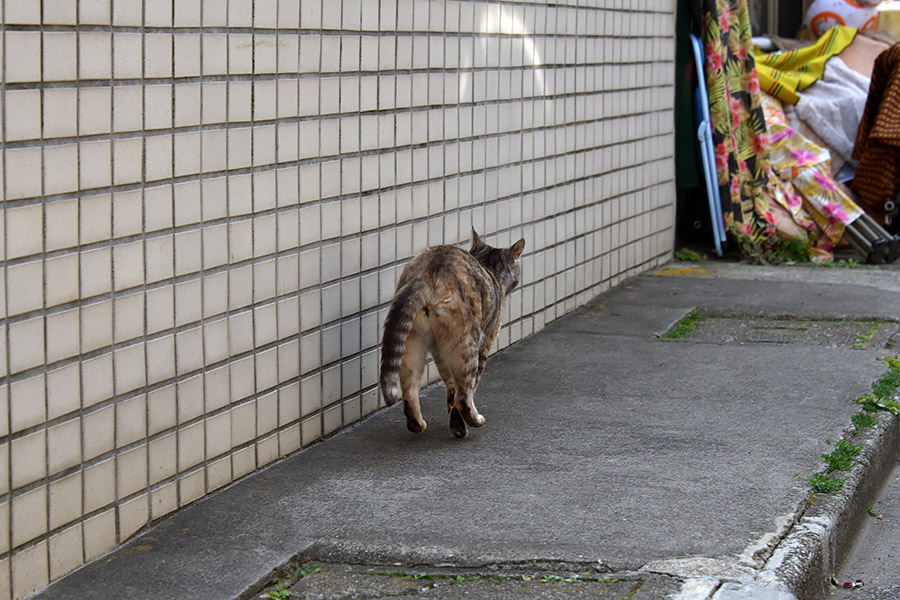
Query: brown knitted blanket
[(877, 146)]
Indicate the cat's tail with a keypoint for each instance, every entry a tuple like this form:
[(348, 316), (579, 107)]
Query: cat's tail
[(408, 301)]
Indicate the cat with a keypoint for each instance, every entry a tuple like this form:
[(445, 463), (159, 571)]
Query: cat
[(449, 303)]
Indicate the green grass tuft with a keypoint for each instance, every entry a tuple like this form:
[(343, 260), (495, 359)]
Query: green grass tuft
[(862, 421), (843, 457), (304, 572), (684, 326), (863, 339), (281, 592), (688, 255), (882, 395), (426, 576), (825, 483)]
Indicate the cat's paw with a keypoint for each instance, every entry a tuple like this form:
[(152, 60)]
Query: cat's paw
[(416, 426), (473, 418), (457, 425)]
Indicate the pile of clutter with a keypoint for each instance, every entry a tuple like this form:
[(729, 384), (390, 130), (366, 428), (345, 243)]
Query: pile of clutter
[(831, 99)]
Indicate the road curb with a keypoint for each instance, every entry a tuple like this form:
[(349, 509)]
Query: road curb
[(810, 553)]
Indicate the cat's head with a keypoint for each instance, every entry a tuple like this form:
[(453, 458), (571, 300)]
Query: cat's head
[(500, 261)]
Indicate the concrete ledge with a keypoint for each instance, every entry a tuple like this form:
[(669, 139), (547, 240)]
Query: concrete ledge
[(807, 557)]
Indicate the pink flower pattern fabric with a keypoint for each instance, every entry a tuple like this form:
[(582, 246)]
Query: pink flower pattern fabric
[(805, 187)]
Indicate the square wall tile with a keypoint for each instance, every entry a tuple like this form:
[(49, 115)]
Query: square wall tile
[(163, 500), (243, 461), (163, 459), (99, 429), (131, 467), (96, 272), (218, 473), (66, 551), (94, 111), (24, 225), (243, 423), (30, 570), (23, 55), (161, 409), (26, 341), (131, 420), (190, 399), (63, 335), (128, 51), (23, 14), (65, 500), (63, 391), (128, 108), (62, 284), (218, 434), (191, 487), (191, 446), (99, 534), (23, 115), (64, 446), (29, 516), (26, 281), (95, 55), (133, 515), (99, 485)]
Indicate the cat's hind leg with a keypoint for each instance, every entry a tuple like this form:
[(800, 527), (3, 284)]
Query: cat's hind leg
[(411, 369), (465, 375), (457, 424)]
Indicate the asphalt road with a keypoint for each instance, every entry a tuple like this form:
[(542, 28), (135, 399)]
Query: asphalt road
[(875, 559)]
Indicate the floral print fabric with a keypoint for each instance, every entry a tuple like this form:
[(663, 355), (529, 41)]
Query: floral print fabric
[(773, 181), (806, 188), (738, 123)]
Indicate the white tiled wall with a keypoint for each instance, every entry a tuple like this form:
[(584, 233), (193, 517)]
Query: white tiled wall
[(207, 203)]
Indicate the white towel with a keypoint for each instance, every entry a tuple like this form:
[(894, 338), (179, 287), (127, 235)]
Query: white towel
[(833, 106)]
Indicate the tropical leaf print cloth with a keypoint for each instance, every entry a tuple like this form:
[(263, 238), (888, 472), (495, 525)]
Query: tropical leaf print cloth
[(738, 123)]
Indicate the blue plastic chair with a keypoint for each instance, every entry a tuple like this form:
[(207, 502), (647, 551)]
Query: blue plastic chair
[(705, 144)]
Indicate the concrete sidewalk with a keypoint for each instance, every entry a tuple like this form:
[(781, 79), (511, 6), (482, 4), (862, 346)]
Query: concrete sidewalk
[(652, 468)]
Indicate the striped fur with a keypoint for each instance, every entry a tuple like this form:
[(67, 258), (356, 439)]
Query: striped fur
[(408, 301), (448, 303)]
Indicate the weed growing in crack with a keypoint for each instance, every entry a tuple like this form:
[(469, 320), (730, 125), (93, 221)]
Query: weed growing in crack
[(843, 457), (825, 483), (432, 578), (426, 576), (684, 326), (282, 589), (862, 421), (305, 571), (572, 578), (281, 592), (884, 388), (863, 339), (882, 395), (873, 403)]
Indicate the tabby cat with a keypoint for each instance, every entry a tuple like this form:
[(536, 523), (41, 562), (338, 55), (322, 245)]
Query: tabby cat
[(449, 303)]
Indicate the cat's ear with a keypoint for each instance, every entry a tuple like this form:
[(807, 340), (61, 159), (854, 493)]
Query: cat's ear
[(515, 251), (476, 240)]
